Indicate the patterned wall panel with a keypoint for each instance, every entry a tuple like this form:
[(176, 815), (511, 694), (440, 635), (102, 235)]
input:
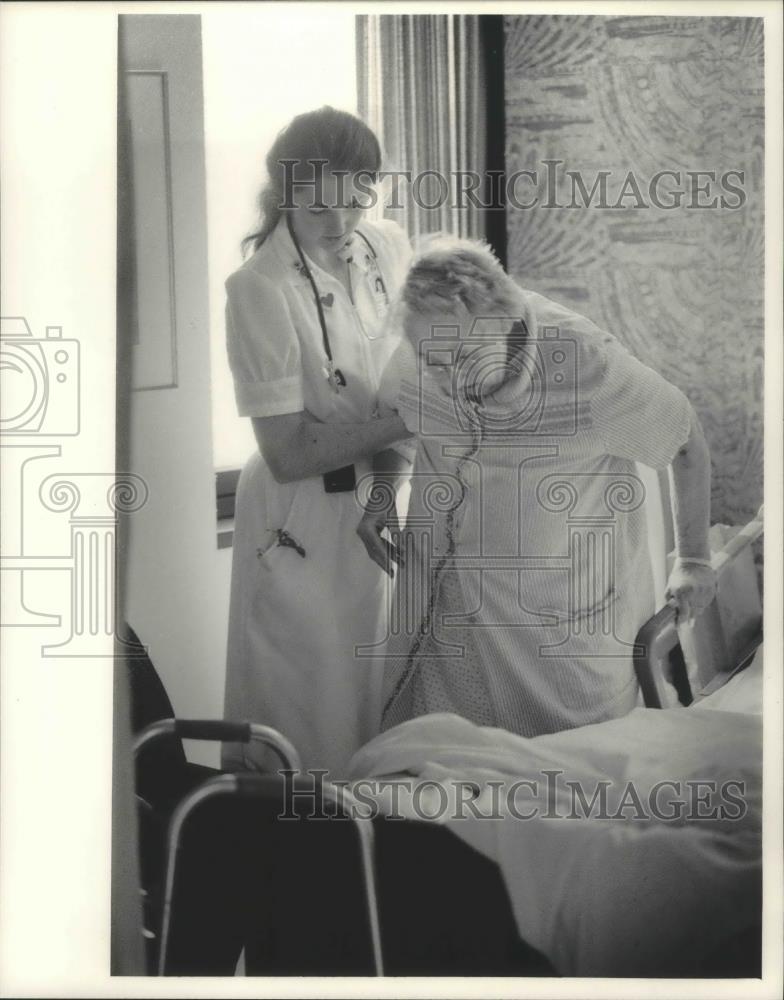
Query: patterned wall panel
[(682, 287)]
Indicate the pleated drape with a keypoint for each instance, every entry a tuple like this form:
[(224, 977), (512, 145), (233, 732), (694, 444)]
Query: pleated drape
[(421, 87)]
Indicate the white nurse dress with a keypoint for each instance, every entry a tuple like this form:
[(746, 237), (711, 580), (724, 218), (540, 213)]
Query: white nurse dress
[(304, 593)]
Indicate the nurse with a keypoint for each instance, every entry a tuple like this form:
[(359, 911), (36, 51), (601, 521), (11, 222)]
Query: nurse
[(306, 345)]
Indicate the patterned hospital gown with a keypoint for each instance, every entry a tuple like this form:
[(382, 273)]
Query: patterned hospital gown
[(527, 573)]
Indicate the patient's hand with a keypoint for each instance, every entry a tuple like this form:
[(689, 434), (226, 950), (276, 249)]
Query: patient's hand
[(690, 589), (382, 551)]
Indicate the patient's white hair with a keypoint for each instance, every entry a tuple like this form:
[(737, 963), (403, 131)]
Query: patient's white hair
[(448, 270)]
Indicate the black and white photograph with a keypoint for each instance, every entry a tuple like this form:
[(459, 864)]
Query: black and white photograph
[(391, 442)]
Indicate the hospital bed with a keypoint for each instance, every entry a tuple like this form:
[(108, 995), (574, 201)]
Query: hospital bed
[(695, 660), (613, 894), (682, 900), (417, 897)]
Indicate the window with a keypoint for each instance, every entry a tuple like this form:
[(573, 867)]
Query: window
[(279, 67)]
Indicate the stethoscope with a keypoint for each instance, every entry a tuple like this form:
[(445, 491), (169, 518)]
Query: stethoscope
[(334, 375)]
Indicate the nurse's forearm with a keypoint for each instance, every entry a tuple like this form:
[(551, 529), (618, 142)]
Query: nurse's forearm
[(690, 496), (296, 449)]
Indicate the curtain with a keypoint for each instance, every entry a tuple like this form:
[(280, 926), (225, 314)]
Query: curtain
[(421, 88)]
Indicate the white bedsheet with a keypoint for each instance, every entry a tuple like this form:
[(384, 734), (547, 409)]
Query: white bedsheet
[(637, 895)]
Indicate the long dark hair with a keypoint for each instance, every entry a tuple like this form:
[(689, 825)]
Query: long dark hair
[(344, 141)]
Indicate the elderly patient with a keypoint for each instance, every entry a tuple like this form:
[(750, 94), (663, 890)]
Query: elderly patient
[(524, 570)]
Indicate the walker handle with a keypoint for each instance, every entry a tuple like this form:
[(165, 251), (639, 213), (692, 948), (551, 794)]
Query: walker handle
[(213, 729), (194, 729), (220, 731)]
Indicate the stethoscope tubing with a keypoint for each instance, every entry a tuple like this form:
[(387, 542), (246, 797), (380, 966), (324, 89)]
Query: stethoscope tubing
[(317, 295)]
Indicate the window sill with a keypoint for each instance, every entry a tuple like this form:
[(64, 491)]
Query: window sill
[(225, 491), (226, 533)]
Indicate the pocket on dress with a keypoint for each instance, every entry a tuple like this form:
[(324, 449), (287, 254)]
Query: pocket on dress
[(290, 538)]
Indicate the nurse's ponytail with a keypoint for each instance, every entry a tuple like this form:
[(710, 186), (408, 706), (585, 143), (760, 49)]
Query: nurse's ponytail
[(269, 213), (341, 139)]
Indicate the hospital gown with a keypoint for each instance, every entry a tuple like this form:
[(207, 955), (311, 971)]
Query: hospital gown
[(527, 573)]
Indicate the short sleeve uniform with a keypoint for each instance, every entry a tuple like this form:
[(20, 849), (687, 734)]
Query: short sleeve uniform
[(263, 347), (274, 340)]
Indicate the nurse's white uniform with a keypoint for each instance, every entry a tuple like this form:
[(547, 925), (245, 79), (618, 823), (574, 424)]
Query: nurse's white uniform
[(304, 592)]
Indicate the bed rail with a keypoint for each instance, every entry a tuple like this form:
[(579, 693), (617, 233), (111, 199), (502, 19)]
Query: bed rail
[(717, 645)]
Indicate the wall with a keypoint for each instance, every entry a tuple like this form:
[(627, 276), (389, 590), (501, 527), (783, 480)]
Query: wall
[(681, 287), (177, 585)]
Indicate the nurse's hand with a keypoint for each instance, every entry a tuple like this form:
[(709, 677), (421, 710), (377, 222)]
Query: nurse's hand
[(383, 552), (690, 589), (419, 402)]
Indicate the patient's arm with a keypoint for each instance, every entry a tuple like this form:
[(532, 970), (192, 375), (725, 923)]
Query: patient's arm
[(692, 585)]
